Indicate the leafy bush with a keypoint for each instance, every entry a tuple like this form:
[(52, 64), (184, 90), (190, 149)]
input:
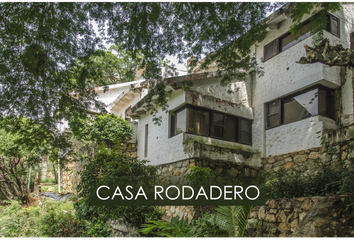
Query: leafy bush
[(59, 220), (111, 168), (199, 176), (52, 219), (331, 177), (227, 221), (106, 128)]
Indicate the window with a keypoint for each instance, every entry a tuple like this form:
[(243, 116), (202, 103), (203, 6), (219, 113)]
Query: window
[(204, 122), (146, 140), (333, 25), (288, 40), (311, 102)]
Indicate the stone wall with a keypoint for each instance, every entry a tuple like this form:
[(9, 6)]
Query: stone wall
[(70, 177), (302, 217), (175, 174), (342, 140)]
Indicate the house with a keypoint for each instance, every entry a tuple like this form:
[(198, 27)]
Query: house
[(282, 112), (276, 120)]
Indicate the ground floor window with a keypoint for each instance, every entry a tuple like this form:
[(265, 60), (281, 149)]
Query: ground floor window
[(318, 100), (204, 122)]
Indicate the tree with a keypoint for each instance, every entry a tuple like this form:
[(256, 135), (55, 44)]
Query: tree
[(223, 32), (44, 46), (40, 43)]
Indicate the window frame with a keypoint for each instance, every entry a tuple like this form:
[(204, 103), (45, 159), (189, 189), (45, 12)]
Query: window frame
[(279, 39), (240, 130), (211, 123), (329, 110), (329, 25), (279, 113)]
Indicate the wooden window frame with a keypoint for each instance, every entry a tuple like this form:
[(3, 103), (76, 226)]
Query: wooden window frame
[(240, 130), (329, 110), (279, 113), (212, 125), (211, 129), (328, 28)]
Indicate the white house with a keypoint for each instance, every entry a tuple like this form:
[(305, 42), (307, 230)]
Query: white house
[(280, 112)]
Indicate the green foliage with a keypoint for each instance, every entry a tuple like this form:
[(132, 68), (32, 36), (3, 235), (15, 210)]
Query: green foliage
[(59, 220), (199, 176), (41, 42), (162, 228), (330, 177), (107, 128), (227, 221), (50, 50), (52, 219), (113, 66), (114, 169), (318, 10)]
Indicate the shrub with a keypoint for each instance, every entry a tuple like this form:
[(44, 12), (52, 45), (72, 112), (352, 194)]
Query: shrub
[(52, 219), (106, 128), (111, 168), (332, 177)]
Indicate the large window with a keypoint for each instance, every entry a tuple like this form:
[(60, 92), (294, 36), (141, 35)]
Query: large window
[(314, 101), (213, 124), (288, 40)]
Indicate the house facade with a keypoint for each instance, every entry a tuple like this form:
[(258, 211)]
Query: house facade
[(264, 122), (286, 110)]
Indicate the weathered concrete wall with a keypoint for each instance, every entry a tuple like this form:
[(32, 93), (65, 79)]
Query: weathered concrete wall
[(301, 217), (215, 149)]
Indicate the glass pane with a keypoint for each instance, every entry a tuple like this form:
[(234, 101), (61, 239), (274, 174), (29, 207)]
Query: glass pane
[(270, 49), (173, 126), (230, 129), (199, 122), (246, 138), (301, 106), (334, 26), (273, 107), (181, 121), (218, 131), (291, 40), (322, 103), (218, 119), (273, 121), (245, 125)]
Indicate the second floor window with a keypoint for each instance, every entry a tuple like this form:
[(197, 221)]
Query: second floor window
[(288, 40), (204, 122), (304, 104)]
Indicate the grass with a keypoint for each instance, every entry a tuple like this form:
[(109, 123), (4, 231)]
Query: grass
[(45, 188), (48, 180)]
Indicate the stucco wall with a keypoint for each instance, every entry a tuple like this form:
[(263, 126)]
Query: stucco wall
[(161, 148), (295, 136), (284, 76)]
